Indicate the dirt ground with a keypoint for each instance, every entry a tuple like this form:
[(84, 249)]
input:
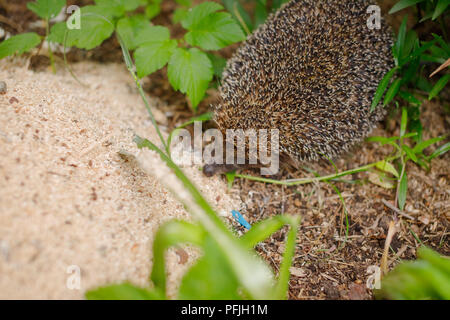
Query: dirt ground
[(327, 264)]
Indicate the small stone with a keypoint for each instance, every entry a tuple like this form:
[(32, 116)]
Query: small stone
[(3, 87), (13, 100)]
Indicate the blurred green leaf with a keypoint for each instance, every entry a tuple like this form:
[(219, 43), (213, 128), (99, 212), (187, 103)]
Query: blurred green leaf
[(19, 44), (402, 4), (387, 167), (402, 190), (382, 88), (46, 9), (97, 25), (442, 82), (125, 291), (440, 8), (426, 278), (130, 27)]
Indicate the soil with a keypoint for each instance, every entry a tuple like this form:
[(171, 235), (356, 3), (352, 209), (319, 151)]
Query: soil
[(329, 264)]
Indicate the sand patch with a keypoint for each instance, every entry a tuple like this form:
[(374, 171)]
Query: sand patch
[(66, 196)]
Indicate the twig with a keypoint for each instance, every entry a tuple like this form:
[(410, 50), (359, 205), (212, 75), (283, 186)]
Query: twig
[(442, 67), (400, 212), (387, 244)]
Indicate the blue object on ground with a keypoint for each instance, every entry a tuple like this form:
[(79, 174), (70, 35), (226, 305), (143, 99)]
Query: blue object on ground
[(240, 219)]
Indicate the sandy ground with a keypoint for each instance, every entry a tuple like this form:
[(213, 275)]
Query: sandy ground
[(66, 197)]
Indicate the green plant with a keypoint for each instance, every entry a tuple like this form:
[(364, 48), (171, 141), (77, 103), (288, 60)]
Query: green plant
[(248, 20), (45, 9), (426, 278), (190, 68), (393, 168), (191, 64), (406, 82), (229, 268)]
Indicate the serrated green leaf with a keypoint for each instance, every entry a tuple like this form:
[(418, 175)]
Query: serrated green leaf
[(96, 26), (19, 44), (152, 56), (130, 27), (209, 29), (46, 9), (200, 12), (190, 71), (439, 86), (402, 191), (402, 4), (382, 88)]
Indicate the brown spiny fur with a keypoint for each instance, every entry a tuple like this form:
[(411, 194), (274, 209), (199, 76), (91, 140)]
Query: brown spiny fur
[(311, 71)]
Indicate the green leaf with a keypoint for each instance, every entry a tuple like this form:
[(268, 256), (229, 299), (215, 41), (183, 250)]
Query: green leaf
[(387, 167), (179, 14), (209, 29), (231, 176), (410, 153), (19, 44), (382, 88), (96, 26), (440, 8), (46, 9), (218, 64), (119, 7), (398, 47), (402, 190), (239, 14), (260, 13), (153, 9), (130, 27), (426, 278), (125, 291), (425, 144), (254, 276), (392, 92), (402, 4), (190, 71), (439, 86), (440, 151), (210, 278), (155, 50), (404, 122), (170, 234)]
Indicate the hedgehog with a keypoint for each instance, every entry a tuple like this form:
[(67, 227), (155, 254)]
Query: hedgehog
[(311, 71)]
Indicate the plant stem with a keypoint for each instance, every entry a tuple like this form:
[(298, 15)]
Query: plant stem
[(50, 53), (296, 182)]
